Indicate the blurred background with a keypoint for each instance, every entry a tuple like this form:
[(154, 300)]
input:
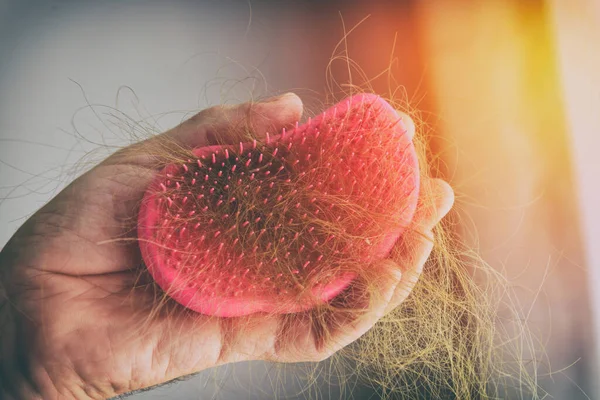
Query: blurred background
[(507, 91)]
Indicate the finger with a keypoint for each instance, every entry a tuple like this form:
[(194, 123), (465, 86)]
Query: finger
[(435, 201), (230, 124), (297, 339), (409, 124), (415, 257), (378, 301), (250, 337), (416, 245), (316, 335)]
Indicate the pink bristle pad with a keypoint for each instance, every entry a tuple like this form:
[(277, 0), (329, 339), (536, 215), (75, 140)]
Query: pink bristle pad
[(213, 233)]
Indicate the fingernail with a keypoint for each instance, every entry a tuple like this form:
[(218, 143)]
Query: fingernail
[(280, 97)]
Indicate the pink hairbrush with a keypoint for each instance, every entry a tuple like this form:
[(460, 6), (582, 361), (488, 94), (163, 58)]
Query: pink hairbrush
[(272, 226)]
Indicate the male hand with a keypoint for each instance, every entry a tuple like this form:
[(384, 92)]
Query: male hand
[(77, 322)]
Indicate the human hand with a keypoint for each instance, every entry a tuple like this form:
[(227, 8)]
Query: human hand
[(79, 322)]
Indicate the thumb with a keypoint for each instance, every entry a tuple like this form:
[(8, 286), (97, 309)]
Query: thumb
[(230, 124), (217, 125)]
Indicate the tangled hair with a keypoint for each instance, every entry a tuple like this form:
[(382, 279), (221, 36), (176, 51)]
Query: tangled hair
[(446, 339), (283, 225)]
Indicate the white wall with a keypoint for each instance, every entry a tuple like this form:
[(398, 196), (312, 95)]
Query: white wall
[(577, 33)]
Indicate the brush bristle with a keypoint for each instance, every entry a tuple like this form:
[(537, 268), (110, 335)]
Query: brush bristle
[(285, 223)]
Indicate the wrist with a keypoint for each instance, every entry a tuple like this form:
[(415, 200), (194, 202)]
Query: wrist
[(13, 382), (22, 377)]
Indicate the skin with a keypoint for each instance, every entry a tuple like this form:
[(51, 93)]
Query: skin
[(77, 322)]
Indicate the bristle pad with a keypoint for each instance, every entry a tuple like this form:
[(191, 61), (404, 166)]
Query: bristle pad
[(285, 222)]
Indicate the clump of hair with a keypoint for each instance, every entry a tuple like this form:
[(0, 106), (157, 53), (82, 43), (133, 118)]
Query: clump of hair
[(285, 224)]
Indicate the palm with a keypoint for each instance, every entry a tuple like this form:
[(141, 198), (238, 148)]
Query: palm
[(90, 307)]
